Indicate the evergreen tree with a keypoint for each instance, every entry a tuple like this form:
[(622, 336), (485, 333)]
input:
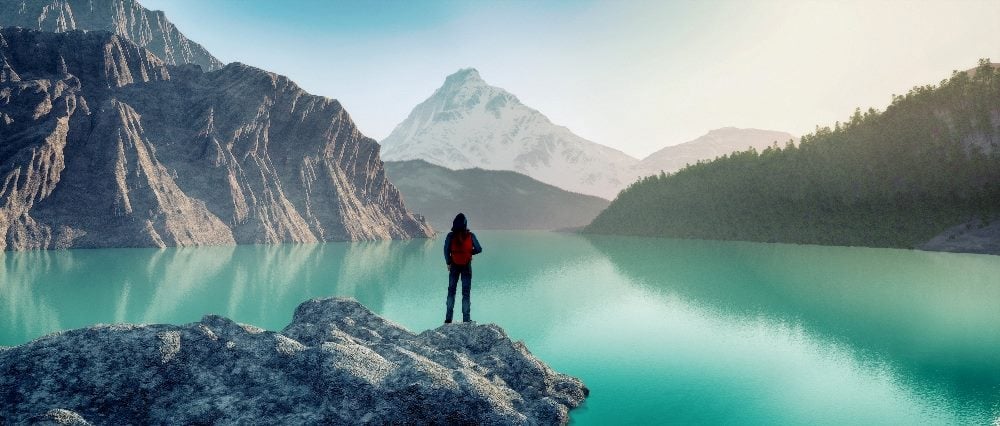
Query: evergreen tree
[(896, 178)]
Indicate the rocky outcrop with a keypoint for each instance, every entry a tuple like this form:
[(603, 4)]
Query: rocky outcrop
[(104, 145), (336, 363), (126, 18)]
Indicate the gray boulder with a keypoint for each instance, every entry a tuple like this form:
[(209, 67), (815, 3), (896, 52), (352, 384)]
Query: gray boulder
[(337, 362)]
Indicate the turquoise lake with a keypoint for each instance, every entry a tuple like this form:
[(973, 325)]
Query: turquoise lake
[(661, 331)]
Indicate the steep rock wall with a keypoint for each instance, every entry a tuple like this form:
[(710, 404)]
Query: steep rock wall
[(103, 145)]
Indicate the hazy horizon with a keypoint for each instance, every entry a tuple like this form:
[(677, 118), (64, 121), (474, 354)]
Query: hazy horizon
[(634, 76)]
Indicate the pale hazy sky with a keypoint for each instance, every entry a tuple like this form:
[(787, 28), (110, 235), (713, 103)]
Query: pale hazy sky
[(633, 75)]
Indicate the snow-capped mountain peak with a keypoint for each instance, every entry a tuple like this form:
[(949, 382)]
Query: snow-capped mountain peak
[(464, 76), (468, 123)]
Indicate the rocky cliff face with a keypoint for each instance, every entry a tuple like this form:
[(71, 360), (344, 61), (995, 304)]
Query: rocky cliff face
[(104, 145), (467, 123), (126, 18), (336, 363)]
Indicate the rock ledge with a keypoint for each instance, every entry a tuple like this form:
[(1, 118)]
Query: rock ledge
[(337, 362)]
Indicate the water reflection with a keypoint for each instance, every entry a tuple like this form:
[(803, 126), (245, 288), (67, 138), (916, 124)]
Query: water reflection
[(46, 291), (22, 313), (373, 268), (931, 316), (661, 330)]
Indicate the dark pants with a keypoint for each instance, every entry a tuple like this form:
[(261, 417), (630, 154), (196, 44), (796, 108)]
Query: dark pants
[(466, 273)]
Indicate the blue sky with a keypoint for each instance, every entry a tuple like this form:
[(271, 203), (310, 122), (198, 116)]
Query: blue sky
[(634, 75)]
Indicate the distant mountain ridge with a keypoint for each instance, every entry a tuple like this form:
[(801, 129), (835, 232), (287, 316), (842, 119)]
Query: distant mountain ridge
[(715, 143), (104, 145), (126, 18), (467, 123), (492, 199)]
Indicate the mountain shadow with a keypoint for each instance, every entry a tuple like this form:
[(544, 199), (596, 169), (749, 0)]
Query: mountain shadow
[(492, 199)]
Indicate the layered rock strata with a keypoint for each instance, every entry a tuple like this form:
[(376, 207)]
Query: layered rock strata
[(104, 145)]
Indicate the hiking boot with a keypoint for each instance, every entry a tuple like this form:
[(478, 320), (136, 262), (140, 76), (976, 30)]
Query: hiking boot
[(447, 321)]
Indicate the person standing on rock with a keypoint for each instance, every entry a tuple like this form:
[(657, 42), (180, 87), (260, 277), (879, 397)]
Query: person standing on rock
[(459, 247)]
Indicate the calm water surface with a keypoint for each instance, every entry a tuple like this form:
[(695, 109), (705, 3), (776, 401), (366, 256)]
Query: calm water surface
[(662, 331)]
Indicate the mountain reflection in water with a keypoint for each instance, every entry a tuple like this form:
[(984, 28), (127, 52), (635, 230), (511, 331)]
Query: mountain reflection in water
[(661, 330)]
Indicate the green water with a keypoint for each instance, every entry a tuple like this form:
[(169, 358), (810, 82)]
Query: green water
[(662, 331)]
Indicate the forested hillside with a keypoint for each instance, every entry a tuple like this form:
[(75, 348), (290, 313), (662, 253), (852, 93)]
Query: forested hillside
[(894, 178)]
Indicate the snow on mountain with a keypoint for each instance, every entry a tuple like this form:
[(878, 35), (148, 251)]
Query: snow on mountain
[(468, 123), (713, 144)]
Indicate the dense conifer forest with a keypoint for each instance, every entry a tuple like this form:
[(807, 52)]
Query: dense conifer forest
[(892, 178)]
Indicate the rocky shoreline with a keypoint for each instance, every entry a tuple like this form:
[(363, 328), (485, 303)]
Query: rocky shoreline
[(335, 363), (975, 236)]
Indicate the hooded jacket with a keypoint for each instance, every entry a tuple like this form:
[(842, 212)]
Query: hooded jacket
[(460, 224)]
